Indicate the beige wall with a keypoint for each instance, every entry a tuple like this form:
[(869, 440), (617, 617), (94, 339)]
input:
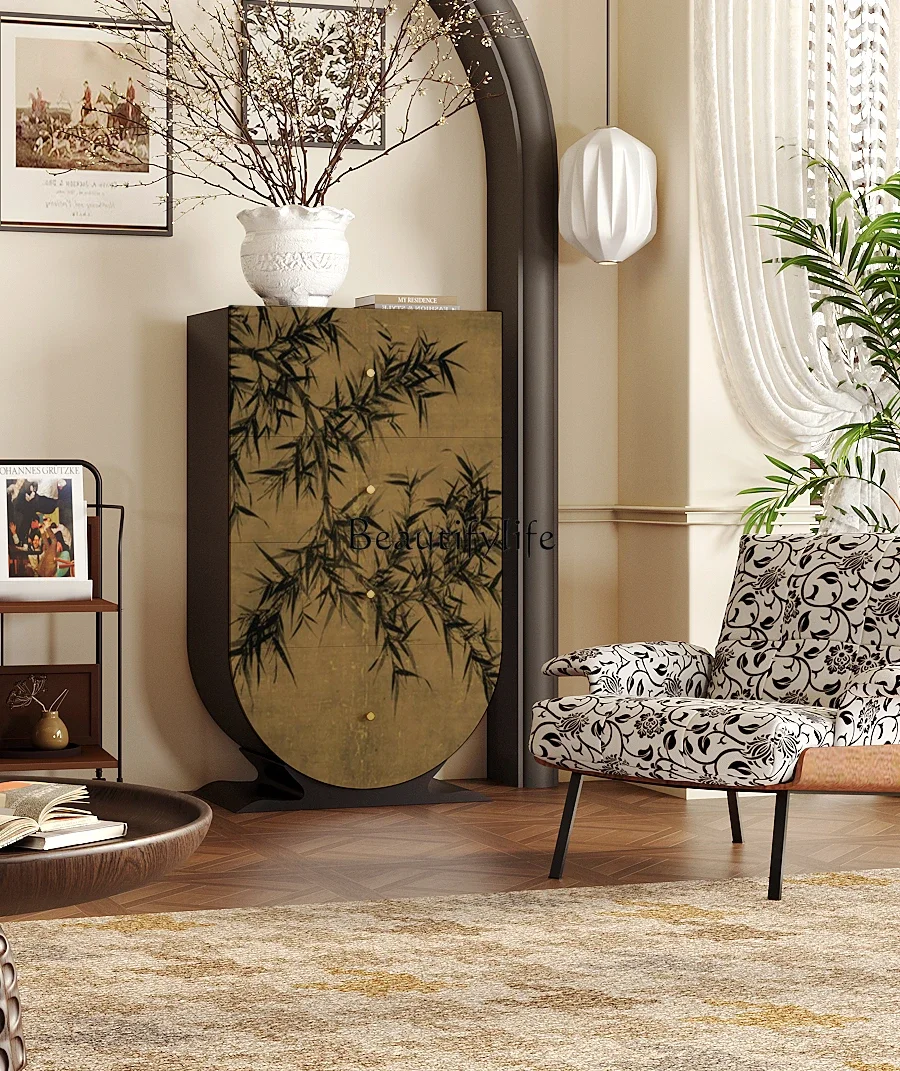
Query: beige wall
[(655, 326), (654, 285), (682, 443), (93, 366), (570, 36)]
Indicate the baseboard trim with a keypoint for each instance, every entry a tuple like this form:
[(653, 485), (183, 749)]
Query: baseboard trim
[(690, 793)]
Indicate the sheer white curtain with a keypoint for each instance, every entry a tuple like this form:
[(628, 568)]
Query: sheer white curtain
[(853, 85), (774, 78)]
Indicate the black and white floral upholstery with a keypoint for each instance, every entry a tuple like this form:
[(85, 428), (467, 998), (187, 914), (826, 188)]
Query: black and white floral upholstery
[(870, 708), (638, 669), (708, 741), (809, 656)]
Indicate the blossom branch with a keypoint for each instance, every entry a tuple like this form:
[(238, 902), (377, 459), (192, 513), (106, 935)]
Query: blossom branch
[(255, 87)]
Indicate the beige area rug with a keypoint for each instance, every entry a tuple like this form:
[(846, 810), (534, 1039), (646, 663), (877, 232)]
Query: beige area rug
[(675, 977)]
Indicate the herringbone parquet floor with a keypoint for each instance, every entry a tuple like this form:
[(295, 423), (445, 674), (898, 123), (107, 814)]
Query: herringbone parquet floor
[(623, 834)]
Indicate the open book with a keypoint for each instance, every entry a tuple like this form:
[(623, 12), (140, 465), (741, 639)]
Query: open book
[(29, 807)]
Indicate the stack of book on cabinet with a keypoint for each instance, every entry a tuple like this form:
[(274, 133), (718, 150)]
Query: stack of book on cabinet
[(40, 816), (432, 302)]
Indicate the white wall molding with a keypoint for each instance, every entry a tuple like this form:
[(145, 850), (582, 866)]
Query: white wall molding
[(674, 516)]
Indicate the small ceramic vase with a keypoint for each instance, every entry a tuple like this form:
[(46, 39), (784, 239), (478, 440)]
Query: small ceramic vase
[(50, 733)]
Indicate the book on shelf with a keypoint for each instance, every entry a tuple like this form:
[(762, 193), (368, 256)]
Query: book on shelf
[(38, 808), (95, 833), (408, 301), (417, 308), (44, 518)]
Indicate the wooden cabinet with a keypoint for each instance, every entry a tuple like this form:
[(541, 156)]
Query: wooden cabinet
[(353, 462)]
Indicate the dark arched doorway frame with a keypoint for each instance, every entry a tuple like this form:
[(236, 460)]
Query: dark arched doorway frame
[(522, 283)]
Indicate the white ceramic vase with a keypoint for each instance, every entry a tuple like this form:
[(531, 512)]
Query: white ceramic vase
[(294, 255)]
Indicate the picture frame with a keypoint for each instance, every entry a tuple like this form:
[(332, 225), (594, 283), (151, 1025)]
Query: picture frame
[(80, 711), (45, 530), (68, 99), (377, 139)]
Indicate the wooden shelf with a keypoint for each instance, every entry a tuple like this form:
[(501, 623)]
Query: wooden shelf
[(78, 606), (91, 758), (84, 722)]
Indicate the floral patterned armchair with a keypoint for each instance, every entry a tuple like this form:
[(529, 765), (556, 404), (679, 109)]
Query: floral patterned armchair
[(806, 668)]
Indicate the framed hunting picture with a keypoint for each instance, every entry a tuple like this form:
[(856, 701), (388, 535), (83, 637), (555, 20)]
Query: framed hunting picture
[(80, 141)]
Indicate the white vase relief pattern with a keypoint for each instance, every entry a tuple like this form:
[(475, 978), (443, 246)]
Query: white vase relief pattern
[(295, 255)]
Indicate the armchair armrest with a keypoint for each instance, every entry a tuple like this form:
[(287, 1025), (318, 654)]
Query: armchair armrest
[(638, 669), (869, 708)]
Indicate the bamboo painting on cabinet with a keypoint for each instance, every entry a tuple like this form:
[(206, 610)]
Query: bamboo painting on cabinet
[(366, 533)]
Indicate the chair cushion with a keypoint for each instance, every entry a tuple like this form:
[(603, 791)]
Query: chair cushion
[(705, 741), (807, 614)]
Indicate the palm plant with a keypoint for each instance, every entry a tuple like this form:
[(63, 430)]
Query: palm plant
[(852, 261)]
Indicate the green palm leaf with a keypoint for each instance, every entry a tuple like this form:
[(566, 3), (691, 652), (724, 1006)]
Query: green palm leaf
[(853, 266)]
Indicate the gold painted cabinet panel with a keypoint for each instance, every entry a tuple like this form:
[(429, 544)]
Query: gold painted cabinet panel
[(365, 538)]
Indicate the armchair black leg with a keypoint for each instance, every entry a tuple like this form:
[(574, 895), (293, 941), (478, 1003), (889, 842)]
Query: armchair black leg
[(734, 813), (565, 826), (776, 868)]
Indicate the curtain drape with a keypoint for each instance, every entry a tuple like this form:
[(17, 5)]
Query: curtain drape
[(853, 85), (775, 78)]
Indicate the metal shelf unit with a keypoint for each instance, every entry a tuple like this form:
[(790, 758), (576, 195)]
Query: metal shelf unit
[(92, 756)]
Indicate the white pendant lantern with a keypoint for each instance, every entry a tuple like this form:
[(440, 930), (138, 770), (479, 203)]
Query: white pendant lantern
[(607, 195)]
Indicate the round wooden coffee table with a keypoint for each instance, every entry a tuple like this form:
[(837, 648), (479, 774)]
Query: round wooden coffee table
[(164, 830)]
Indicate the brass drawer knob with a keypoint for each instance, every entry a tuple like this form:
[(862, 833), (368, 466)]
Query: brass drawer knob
[(370, 716)]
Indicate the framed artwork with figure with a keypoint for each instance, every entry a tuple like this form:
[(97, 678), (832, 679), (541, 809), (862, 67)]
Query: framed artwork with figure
[(76, 150)]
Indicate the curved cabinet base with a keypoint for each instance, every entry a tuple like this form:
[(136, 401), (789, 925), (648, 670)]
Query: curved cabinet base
[(278, 787)]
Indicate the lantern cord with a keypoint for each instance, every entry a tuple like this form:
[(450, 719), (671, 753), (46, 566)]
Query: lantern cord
[(608, 62)]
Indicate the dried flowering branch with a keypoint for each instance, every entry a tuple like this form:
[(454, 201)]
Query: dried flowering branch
[(27, 691), (255, 87)]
